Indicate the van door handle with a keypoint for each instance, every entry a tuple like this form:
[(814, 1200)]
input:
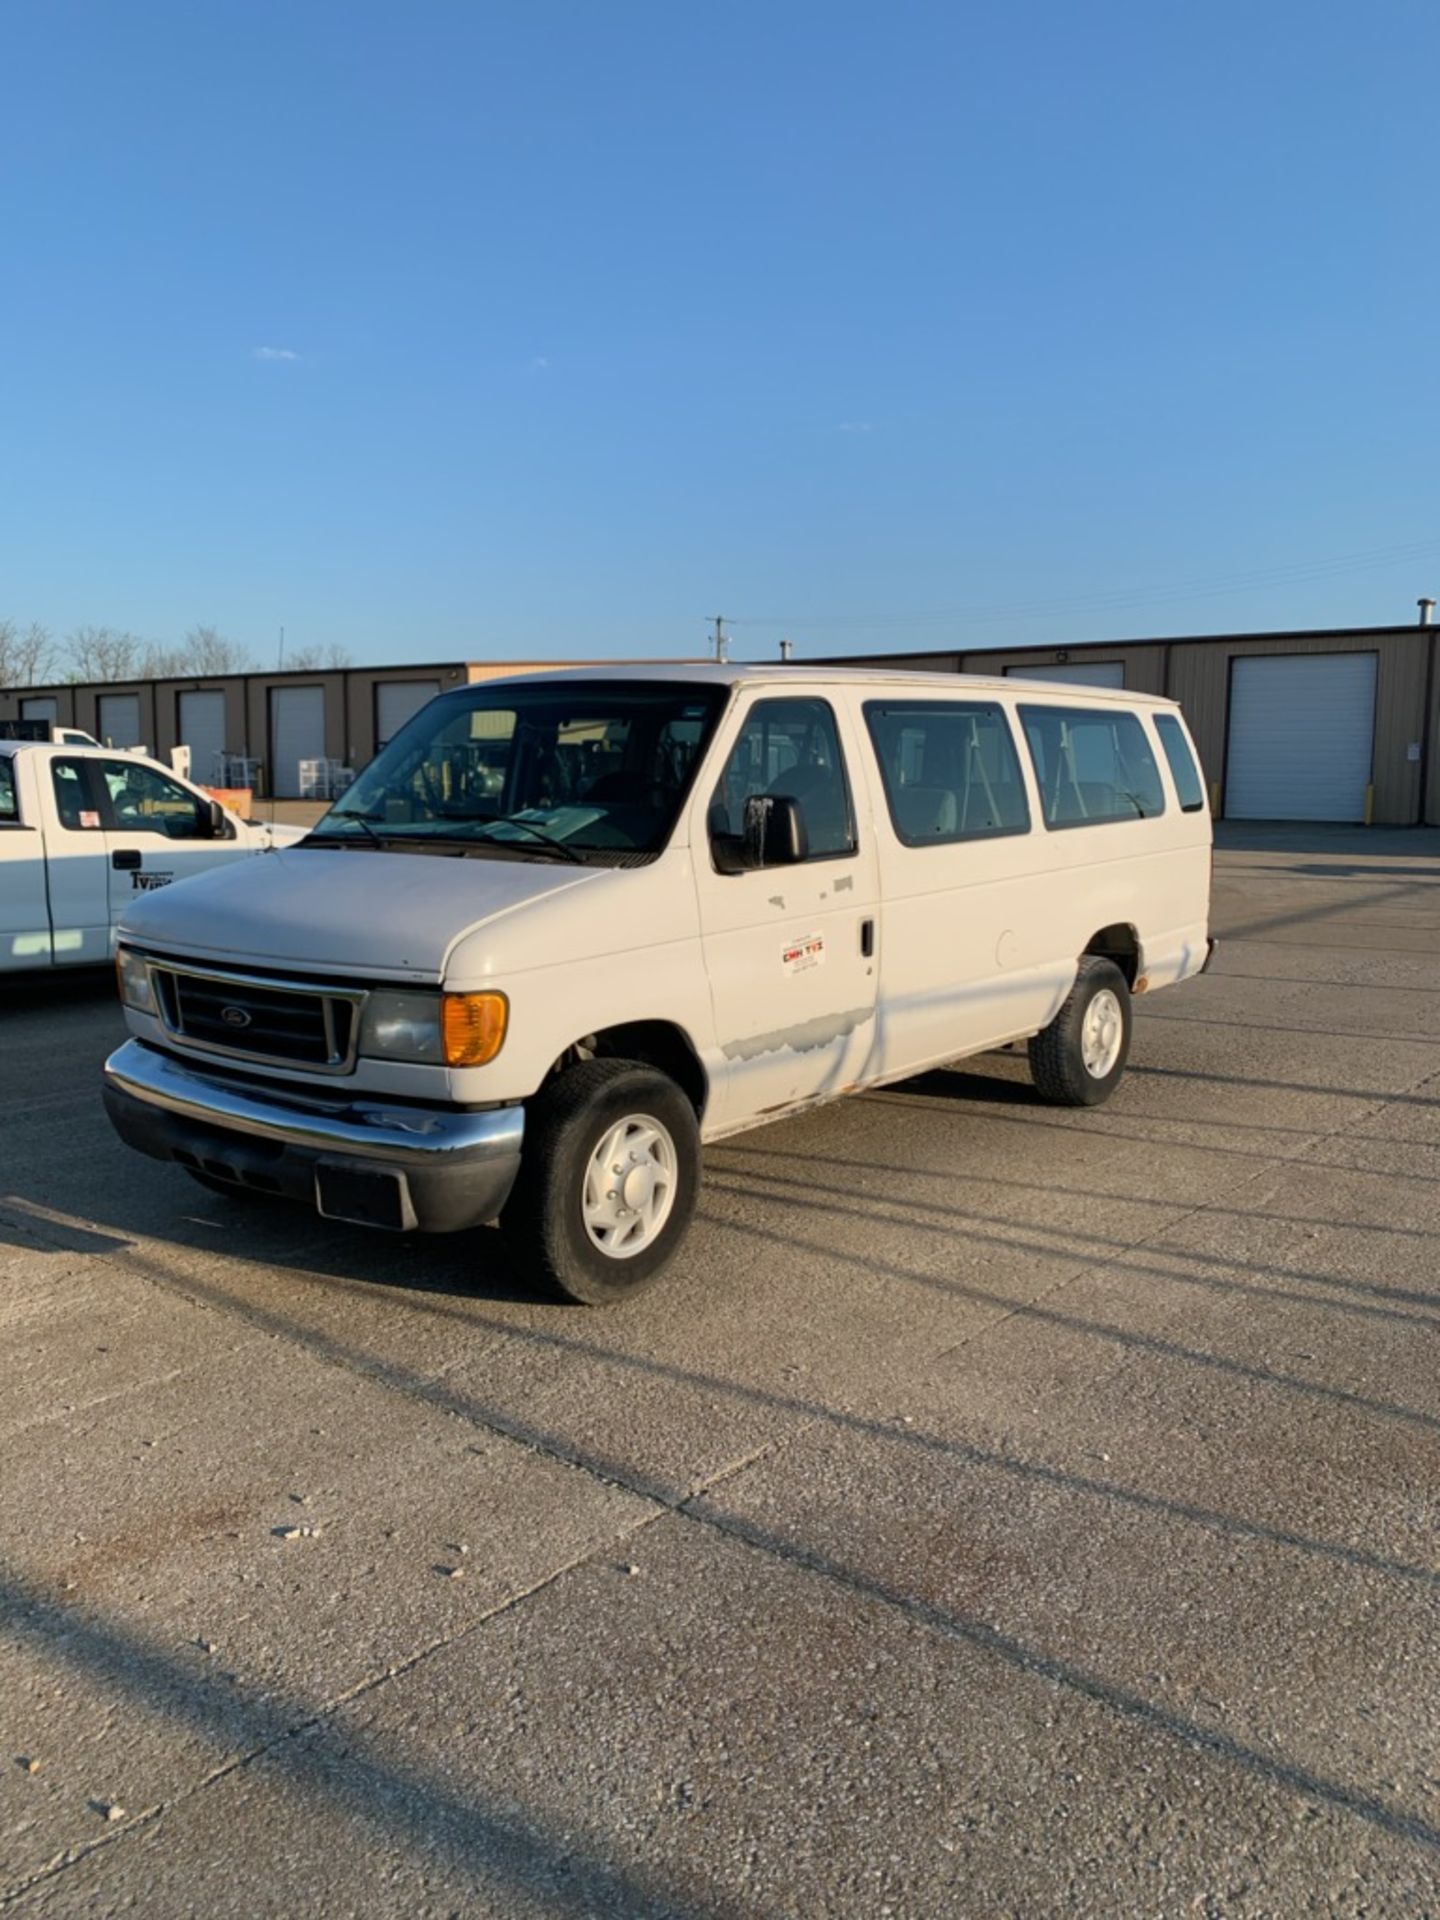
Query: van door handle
[(125, 859), (867, 938)]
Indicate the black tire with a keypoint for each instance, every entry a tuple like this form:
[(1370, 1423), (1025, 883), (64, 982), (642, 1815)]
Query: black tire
[(1057, 1056), (544, 1219)]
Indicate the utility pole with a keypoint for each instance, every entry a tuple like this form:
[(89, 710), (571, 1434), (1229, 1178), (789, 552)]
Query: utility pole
[(721, 641)]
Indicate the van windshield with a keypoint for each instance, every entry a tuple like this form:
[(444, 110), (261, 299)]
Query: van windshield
[(593, 772)]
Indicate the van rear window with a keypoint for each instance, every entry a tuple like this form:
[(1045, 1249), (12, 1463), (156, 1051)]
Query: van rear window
[(1092, 766), (1188, 784), (950, 769)]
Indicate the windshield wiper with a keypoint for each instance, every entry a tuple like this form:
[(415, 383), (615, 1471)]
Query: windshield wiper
[(362, 820), (547, 840)]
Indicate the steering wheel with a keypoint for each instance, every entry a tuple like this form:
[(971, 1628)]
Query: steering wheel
[(429, 778)]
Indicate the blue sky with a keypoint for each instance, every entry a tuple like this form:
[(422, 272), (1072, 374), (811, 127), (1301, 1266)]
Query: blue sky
[(551, 329)]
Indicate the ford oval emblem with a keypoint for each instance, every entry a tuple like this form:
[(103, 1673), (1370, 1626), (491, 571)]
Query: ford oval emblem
[(235, 1016)]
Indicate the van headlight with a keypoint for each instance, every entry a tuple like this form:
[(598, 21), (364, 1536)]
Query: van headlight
[(439, 1029), (132, 973)]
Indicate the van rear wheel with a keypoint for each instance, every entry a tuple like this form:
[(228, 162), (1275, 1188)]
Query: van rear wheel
[(1078, 1060), (609, 1175)]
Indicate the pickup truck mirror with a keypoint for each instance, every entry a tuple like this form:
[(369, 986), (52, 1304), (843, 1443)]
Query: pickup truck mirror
[(775, 833), (213, 818)]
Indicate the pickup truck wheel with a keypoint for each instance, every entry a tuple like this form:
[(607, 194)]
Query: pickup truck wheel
[(608, 1180), (1078, 1060)]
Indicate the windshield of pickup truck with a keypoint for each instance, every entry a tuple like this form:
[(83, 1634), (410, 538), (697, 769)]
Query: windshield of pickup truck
[(593, 772)]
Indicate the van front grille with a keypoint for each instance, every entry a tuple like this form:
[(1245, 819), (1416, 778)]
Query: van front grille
[(262, 1020)]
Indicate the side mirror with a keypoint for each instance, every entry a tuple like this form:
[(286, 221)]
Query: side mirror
[(214, 817), (775, 833)]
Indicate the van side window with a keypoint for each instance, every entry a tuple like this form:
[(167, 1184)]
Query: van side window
[(1188, 783), (9, 804), (789, 747), (950, 770), (74, 802), (1092, 766)]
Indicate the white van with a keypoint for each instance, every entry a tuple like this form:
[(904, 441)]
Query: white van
[(566, 928), (83, 831)]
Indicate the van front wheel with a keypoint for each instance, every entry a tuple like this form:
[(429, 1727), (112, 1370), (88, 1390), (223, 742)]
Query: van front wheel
[(1078, 1060), (608, 1180)]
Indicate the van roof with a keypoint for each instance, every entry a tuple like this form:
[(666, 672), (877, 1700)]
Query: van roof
[(741, 673)]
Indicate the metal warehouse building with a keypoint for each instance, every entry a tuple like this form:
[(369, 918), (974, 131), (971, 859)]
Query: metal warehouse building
[(1335, 724), (279, 720)]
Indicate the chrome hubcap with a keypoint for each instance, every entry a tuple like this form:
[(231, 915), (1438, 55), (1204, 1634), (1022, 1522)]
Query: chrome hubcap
[(1102, 1034), (630, 1186)]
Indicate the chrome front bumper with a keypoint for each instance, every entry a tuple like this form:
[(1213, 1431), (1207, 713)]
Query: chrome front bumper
[(366, 1160)]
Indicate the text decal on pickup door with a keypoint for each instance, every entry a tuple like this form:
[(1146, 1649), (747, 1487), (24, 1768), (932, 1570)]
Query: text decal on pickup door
[(799, 956), (147, 882)]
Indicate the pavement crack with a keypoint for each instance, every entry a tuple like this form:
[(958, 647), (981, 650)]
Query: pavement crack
[(328, 1708), (1055, 1670)]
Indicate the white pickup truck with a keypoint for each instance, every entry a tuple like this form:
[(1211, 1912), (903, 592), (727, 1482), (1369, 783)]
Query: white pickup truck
[(83, 830)]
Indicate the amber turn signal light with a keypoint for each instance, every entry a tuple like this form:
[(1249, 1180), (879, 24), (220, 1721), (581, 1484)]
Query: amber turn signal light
[(472, 1027)]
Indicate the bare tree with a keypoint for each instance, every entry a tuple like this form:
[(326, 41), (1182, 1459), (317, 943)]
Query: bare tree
[(27, 657), (313, 659), (160, 663), (104, 653), (207, 650)]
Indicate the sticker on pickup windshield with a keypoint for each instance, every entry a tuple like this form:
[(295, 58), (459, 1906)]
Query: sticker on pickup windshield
[(799, 956)]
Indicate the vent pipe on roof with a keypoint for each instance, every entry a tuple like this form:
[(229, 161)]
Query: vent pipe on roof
[(787, 647), (1427, 611)]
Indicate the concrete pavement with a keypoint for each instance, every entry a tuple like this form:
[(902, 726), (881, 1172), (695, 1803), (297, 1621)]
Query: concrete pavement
[(1000, 1510)]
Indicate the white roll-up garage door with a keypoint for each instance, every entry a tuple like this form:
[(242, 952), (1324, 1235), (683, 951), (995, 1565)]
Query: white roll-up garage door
[(297, 732), (202, 729), (1302, 729), (40, 706), (120, 719), (1085, 673), (395, 701)]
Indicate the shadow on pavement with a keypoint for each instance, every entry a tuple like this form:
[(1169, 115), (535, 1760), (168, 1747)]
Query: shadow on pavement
[(61, 988), (374, 1788), (430, 1815), (459, 1281), (22, 1224), (1328, 840)]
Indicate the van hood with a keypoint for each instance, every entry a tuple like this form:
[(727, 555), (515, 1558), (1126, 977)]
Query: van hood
[(345, 911)]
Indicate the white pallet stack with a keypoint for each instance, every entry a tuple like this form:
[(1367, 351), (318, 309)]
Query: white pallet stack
[(235, 770), (324, 779)]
